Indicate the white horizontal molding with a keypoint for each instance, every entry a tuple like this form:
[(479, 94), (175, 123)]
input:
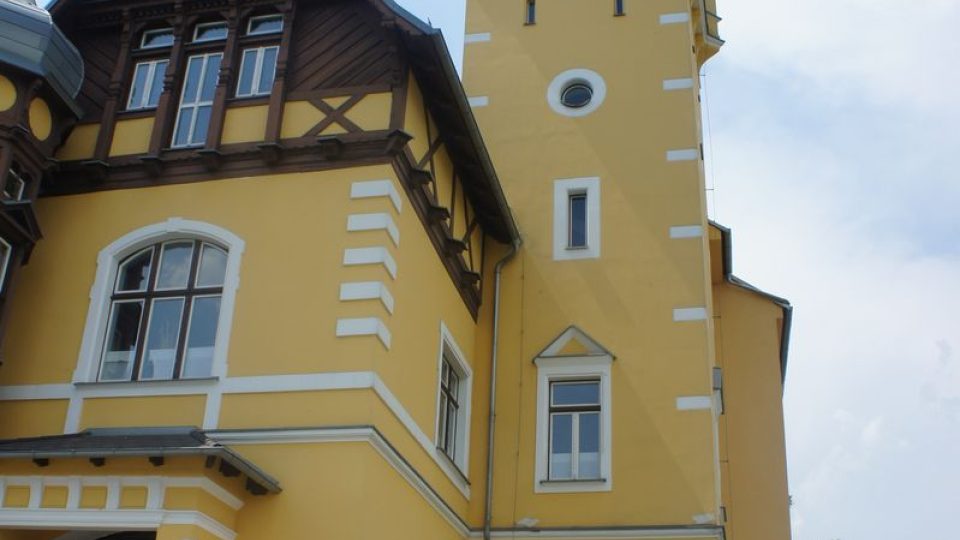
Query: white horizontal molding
[(479, 101), (686, 231), (622, 533), (35, 392), (694, 403), (367, 290), (690, 314), (686, 154), (377, 188), (138, 520), (675, 18), (301, 382), (374, 222), (677, 84), (371, 255), (703, 519), (369, 326), (480, 37)]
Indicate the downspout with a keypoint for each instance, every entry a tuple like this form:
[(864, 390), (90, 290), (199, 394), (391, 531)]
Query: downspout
[(492, 419)]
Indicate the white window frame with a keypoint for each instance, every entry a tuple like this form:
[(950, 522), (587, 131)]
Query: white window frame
[(143, 38), (257, 71), (196, 104), (5, 262), (260, 18), (459, 362), (198, 27), (563, 190), (19, 176), (151, 77), (108, 261), (573, 368)]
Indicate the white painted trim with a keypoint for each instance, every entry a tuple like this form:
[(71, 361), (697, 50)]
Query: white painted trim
[(51, 518), (377, 188), (677, 84), (367, 290), (113, 494), (690, 314), (370, 255), (36, 492), (686, 154), (481, 37), (74, 488), (686, 231), (302, 382), (199, 482), (374, 222), (369, 326), (572, 367), (449, 345), (562, 190), (573, 76), (703, 519), (674, 18), (594, 534), (362, 434), (88, 364), (35, 392), (694, 403), (3, 491), (478, 101)]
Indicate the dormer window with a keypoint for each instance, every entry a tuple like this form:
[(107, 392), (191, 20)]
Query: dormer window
[(147, 85), (257, 71), (155, 39), (265, 24), (15, 185), (212, 31)]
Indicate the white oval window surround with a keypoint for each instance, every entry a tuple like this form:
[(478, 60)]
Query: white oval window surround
[(576, 92)]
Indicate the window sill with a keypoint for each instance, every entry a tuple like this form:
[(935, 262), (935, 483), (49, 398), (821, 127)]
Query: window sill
[(574, 486), (249, 101), (453, 465), (129, 114), (575, 481), (203, 381)]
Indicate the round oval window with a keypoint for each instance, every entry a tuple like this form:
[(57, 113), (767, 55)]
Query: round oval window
[(576, 95)]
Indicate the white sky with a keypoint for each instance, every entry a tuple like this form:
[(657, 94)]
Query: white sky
[(831, 146)]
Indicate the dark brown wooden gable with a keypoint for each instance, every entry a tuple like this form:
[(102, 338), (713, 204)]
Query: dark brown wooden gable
[(99, 50), (340, 43)]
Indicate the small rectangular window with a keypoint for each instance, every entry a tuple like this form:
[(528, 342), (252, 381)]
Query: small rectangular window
[(577, 235), (618, 7), (449, 409), (5, 252), (196, 101), (574, 430), (15, 185), (154, 39), (257, 70), (213, 31), (531, 17), (147, 85), (265, 24)]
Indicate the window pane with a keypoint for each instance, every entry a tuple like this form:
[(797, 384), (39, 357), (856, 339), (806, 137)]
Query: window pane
[(200, 127), (139, 86), (181, 138), (198, 361), (454, 384), (442, 422), (451, 446), (213, 267), (121, 342), (210, 78), (160, 352), (578, 220), (135, 272), (267, 69), (210, 32), (561, 445), (175, 265), (192, 81), (589, 462), (156, 86), (158, 38), (266, 25), (580, 393), (245, 84)]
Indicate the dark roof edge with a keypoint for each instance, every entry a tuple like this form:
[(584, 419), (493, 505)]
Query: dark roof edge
[(726, 236)]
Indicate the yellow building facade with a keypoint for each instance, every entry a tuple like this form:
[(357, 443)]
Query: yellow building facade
[(270, 270)]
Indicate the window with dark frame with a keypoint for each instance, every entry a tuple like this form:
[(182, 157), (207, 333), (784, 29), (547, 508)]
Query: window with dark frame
[(265, 24), (577, 232), (618, 7), (16, 184), (147, 84), (158, 38), (196, 100), (449, 409), (211, 31), (531, 15), (164, 313), (5, 252), (258, 68), (574, 431)]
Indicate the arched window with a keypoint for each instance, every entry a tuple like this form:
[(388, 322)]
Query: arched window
[(161, 307), (164, 311)]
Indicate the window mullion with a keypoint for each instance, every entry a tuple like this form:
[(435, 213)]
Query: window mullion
[(257, 71), (187, 311), (145, 315), (575, 446)]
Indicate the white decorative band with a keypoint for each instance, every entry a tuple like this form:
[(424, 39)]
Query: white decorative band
[(370, 326), (374, 222), (687, 154), (477, 38), (371, 255), (48, 518), (686, 231), (367, 290), (674, 18), (479, 101), (694, 403), (621, 533), (690, 314), (376, 188), (703, 519), (677, 84)]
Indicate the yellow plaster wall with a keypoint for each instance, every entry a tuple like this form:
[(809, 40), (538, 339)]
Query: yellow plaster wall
[(8, 94), (54, 497), (17, 497), (199, 500), (752, 425), (31, 418), (132, 136), (298, 118), (80, 144), (244, 124), (372, 112), (300, 409), (415, 121), (93, 497), (41, 121), (143, 411)]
